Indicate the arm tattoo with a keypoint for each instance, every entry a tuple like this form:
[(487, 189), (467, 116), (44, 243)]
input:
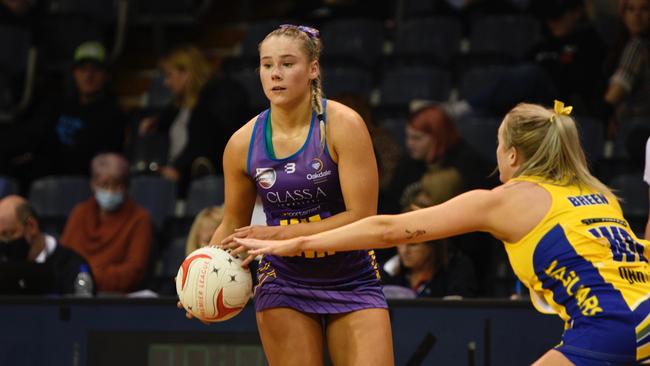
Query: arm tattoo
[(414, 234)]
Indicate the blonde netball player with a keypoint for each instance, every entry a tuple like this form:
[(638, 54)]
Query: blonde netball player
[(311, 163), (563, 230)]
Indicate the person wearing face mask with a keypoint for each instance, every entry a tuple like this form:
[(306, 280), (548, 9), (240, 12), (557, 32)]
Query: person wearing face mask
[(21, 240), (110, 229)]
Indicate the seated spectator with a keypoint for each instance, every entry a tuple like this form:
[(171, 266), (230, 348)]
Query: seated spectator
[(110, 230), (204, 225), (628, 91), (432, 269), (22, 240), (572, 54), (433, 143), (387, 150), (63, 134), (91, 121), (206, 111)]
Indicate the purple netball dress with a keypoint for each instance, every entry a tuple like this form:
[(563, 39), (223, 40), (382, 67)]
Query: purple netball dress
[(304, 187)]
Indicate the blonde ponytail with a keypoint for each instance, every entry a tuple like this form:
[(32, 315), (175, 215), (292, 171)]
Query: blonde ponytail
[(550, 145)]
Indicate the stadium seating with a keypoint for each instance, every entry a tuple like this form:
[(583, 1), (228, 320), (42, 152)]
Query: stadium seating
[(156, 194), (204, 192), (54, 197), (8, 186), (428, 41)]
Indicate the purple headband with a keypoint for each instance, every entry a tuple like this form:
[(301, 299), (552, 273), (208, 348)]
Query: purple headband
[(312, 33)]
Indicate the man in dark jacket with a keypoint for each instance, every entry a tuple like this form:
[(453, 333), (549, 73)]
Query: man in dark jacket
[(21, 240)]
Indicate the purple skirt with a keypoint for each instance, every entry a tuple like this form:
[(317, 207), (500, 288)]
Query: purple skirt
[(277, 288)]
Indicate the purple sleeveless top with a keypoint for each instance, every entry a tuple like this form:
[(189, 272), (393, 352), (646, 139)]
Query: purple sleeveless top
[(304, 187)]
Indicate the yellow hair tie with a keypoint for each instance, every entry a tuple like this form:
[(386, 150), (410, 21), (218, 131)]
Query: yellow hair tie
[(559, 108)]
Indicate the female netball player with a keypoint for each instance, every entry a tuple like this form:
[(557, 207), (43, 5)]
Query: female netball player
[(563, 230), (312, 164)]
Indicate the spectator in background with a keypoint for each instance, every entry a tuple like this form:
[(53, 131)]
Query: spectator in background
[(572, 54), (23, 241), (628, 91), (110, 230), (434, 268), (61, 135), (433, 143), (204, 225), (90, 121), (207, 109), (387, 150)]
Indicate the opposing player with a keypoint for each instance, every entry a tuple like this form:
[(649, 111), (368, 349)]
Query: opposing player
[(563, 230), (312, 163)]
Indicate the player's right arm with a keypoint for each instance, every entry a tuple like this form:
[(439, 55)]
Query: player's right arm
[(240, 191), (477, 210), (505, 212)]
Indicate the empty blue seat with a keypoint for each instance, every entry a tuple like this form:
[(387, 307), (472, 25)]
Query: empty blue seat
[(173, 257), (54, 197), (357, 42), (508, 35), (477, 79), (57, 195), (433, 40), (630, 138), (481, 134), (156, 194), (8, 186), (400, 86), (633, 191), (415, 8), (204, 192), (592, 138), (347, 80), (100, 10)]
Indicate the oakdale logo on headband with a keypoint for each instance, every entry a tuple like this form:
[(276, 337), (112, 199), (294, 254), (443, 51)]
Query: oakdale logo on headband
[(265, 177)]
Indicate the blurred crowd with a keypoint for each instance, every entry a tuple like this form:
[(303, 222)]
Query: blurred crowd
[(430, 78)]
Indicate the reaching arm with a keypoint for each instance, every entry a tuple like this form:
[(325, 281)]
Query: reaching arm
[(477, 210)]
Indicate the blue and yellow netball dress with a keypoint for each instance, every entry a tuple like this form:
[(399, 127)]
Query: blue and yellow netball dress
[(304, 187), (584, 263)]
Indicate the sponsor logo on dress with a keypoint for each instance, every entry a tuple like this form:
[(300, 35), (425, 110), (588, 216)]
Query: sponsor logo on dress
[(319, 176), (265, 177)]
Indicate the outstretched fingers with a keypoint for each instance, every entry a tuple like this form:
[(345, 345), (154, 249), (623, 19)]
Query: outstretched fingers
[(253, 245)]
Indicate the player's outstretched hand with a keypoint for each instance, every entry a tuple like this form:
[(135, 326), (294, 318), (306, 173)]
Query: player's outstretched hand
[(287, 248), (253, 231)]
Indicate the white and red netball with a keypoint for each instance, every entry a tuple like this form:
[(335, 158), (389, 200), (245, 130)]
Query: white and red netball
[(212, 285)]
